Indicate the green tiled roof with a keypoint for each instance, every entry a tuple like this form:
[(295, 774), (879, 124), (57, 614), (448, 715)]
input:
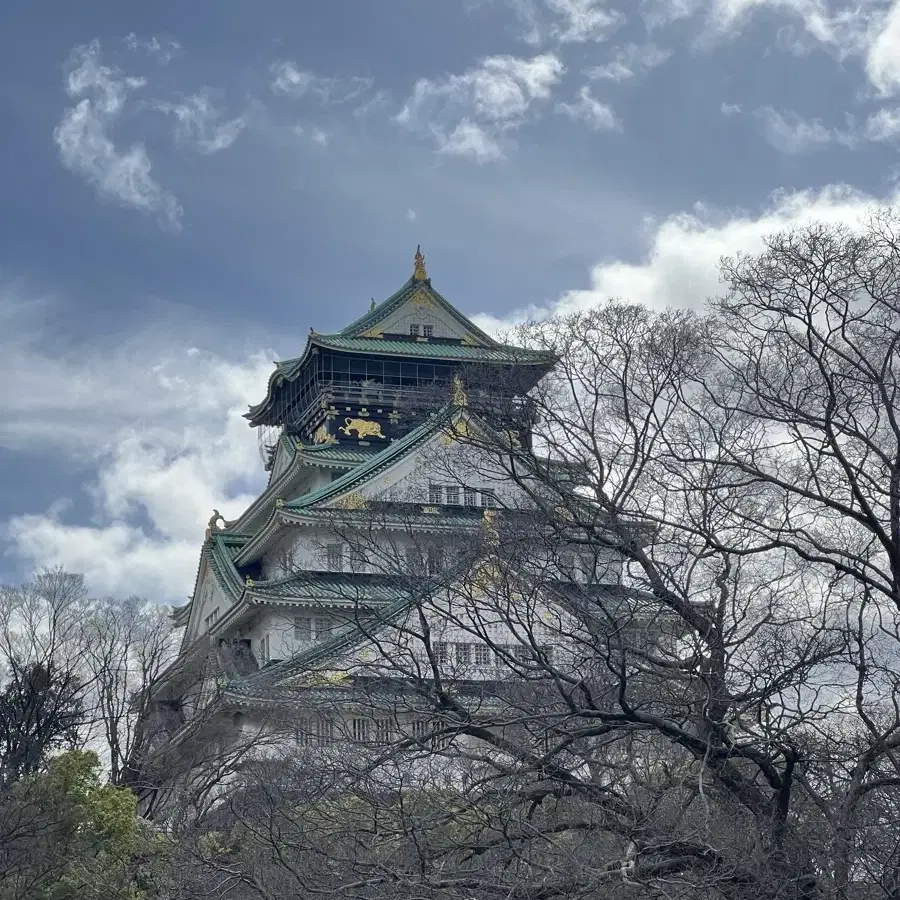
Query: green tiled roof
[(224, 547), (351, 635), (266, 682), (397, 299), (389, 455), (344, 587), (495, 353), (333, 453)]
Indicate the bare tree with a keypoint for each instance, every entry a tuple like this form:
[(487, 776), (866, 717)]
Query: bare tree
[(685, 622), (128, 645)]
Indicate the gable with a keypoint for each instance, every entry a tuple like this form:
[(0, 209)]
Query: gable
[(207, 599), (444, 459), (423, 312)]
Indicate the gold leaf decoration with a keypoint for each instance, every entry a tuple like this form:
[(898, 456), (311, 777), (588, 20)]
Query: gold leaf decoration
[(421, 299), (362, 428), (352, 501), (323, 436)]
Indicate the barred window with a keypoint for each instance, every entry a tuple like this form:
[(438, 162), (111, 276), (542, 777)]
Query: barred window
[(357, 559), (303, 629), (428, 330), (325, 731), (360, 730), (488, 500), (482, 655), (470, 497), (452, 495), (335, 557), (413, 330), (304, 732), (463, 654), (435, 493), (383, 730), (442, 652)]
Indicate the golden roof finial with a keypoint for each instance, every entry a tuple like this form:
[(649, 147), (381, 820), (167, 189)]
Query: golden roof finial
[(420, 273)]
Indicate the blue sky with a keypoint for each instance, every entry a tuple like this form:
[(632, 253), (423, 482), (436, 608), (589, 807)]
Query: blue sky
[(187, 188)]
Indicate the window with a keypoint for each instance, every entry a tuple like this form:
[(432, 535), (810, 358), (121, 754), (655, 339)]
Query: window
[(383, 730), (308, 629), (463, 654), (303, 629), (522, 653), (324, 732), (304, 733), (428, 330), (413, 330), (212, 618), (360, 730), (488, 500), (357, 559), (442, 652), (547, 651), (482, 655), (435, 560), (418, 729), (567, 564), (264, 649), (435, 493), (452, 495), (470, 496), (335, 557)]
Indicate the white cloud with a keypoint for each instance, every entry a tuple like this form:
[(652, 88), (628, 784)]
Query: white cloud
[(469, 139), (790, 133), (883, 59), (596, 115), (680, 268), (316, 135), (884, 125), (288, 78), (730, 109), (467, 113), (411, 214), (163, 51), (157, 421), (197, 123), (629, 61), (583, 20), (86, 148), (843, 27)]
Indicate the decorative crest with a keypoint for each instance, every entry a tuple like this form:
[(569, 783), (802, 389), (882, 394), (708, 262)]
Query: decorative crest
[(213, 524), (372, 305), (420, 273)]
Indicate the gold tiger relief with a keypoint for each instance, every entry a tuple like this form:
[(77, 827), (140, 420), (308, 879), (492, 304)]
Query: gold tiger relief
[(362, 427)]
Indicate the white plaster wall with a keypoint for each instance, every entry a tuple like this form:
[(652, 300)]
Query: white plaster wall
[(400, 320)]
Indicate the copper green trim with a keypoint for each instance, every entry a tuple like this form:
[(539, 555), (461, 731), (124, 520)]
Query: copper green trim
[(397, 299)]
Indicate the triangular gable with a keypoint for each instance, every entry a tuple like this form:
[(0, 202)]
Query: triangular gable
[(418, 303)]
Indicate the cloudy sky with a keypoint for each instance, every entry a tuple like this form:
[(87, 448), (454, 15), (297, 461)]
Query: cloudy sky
[(187, 188)]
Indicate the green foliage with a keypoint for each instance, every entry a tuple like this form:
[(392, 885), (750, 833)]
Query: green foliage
[(75, 837)]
